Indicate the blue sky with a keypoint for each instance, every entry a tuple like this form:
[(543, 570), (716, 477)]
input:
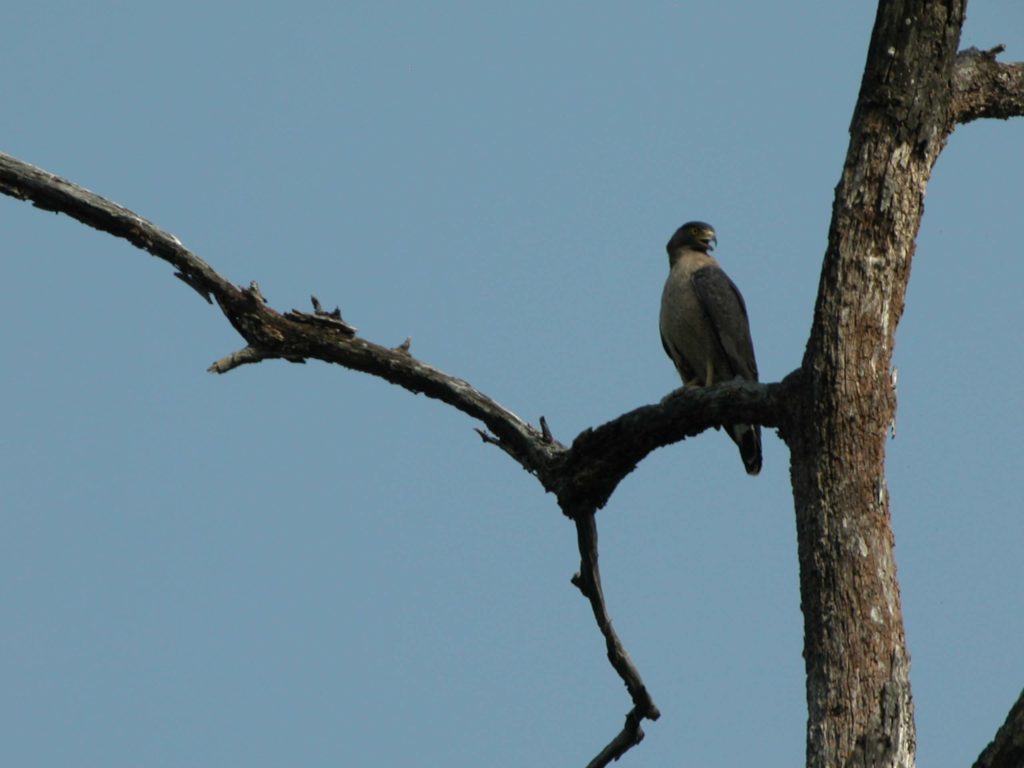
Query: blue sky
[(301, 565)]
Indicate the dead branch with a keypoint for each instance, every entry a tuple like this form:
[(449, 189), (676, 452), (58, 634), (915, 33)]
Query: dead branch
[(582, 477), (984, 87)]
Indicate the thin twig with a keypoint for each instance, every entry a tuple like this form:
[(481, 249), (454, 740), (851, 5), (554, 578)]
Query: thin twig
[(588, 581)]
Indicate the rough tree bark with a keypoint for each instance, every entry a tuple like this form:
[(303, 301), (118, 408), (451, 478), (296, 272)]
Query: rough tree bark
[(914, 91), (834, 411)]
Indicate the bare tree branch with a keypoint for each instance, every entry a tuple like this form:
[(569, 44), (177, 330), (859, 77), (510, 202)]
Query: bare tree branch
[(52, 193), (1007, 749), (588, 581), (582, 477), (630, 735), (984, 87), (602, 456), (294, 336), (244, 356)]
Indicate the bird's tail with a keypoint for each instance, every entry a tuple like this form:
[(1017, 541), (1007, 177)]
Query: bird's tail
[(748, 438)]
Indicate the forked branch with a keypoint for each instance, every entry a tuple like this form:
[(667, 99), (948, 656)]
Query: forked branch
[(582, 476)]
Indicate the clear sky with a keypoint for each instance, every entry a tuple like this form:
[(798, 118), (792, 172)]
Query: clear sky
[(300, 565)]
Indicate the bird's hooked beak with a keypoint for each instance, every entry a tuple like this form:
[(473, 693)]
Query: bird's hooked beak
[(710, 240)]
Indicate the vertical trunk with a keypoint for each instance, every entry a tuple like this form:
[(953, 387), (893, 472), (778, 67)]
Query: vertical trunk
[(860, 710)]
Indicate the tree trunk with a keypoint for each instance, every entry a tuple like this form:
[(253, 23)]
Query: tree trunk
[(860, 710)]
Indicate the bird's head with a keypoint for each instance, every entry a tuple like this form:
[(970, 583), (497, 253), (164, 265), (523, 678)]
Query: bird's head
[(694, 235)]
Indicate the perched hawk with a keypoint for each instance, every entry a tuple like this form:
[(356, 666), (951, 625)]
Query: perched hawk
[(704, 326)]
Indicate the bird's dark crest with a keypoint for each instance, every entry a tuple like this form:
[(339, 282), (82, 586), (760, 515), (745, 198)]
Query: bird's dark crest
[(698, 235)]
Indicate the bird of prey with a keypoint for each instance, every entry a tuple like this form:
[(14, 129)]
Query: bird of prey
[(704, 326)]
